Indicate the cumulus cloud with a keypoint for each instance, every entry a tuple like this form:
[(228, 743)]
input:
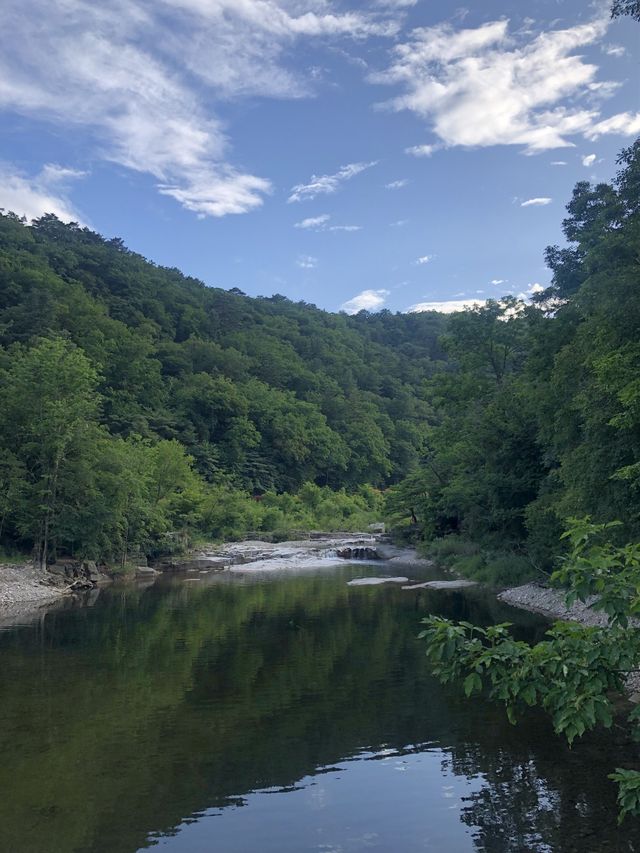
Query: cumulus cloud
[(531, 290), (396, 185), (43, 193), (498, 281), (327, 184), (489, 86), (613, 49), (142, 80), (367, 300), (424, 260), (536, 202), (448, 306), (307, 262), (589, 160)]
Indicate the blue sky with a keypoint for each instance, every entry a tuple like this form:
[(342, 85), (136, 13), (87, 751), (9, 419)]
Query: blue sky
[(398, 153)]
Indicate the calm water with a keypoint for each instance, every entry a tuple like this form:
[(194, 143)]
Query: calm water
[(278, 714)]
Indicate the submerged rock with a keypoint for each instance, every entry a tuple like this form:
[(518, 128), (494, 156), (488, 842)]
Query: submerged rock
[(460, 583)]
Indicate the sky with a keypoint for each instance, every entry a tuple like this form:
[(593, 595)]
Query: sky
[(400, 154)]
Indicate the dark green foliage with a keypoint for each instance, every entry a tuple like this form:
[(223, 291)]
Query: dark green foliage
[(140, 407), (626, 7), (536, 416), (263, 393), (573, 673)]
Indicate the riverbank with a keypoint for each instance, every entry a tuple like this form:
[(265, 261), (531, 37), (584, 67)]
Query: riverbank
[(551, 603), (23, 584)]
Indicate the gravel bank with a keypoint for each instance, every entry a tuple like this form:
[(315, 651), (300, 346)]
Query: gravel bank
[(23, 584), (550, 602)]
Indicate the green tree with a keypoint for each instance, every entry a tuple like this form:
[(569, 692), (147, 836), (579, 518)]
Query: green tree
[(573, 673), (48, 410)]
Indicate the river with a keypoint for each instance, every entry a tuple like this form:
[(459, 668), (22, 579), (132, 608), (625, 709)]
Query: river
[(280, 712)]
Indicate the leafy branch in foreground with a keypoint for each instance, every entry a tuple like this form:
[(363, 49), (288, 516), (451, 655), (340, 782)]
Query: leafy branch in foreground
[(572, 674)]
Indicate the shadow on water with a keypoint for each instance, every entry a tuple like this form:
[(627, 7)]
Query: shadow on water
[(281, 713)]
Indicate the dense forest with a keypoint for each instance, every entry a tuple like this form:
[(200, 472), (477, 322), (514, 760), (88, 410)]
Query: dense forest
[(138, 404), (537, 416), (139, 407)]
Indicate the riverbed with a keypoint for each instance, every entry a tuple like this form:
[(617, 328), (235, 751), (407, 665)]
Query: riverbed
[(281, 709)]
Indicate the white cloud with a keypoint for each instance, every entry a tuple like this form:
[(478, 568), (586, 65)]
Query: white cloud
[(43, 193), (142, 80), (397, 185), (368, 300), (531, 290), (424, 259), (613, 49), (307, 262), (497, 281), (327, 184), (559, 163), (399, 223), (489, 86), (396, 4), (316, 223), (589, 160), (536, 202), (627, 124), (421, 150), (448, 306), (321, 223)]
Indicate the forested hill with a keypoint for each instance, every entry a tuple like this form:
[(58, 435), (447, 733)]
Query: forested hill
[(137, 405), (263, 393)]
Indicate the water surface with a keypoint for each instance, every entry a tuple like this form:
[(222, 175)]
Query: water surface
[(284, 713)]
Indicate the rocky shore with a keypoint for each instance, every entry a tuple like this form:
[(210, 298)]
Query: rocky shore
[(22, 583), (551, 603)]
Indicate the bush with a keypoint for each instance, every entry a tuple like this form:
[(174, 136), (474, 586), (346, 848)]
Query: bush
[(487, 565)]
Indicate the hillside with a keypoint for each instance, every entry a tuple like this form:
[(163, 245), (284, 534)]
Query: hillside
[(264, 392)]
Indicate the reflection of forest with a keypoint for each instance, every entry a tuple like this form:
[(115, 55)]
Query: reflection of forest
[(120, 720)]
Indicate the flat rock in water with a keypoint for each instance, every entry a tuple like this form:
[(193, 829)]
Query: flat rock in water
[(375, 581), (457, 584)]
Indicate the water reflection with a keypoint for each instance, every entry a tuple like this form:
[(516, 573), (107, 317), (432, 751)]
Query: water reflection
[(291, 713)]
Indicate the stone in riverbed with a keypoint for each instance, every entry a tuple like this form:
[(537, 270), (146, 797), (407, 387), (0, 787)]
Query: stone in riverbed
[(461, 583), (375, 581), (146, 572), (358, 553)]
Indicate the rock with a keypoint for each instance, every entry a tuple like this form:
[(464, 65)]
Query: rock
[(196, 564), (457, 584), (378, 527), (146, 572), (375, 581), (58, 571), (357, 554)]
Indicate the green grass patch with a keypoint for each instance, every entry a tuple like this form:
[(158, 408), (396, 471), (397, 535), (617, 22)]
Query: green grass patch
[(487, 565)]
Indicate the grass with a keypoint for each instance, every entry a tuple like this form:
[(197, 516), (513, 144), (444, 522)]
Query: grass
[(494, 567), (14, 557)]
